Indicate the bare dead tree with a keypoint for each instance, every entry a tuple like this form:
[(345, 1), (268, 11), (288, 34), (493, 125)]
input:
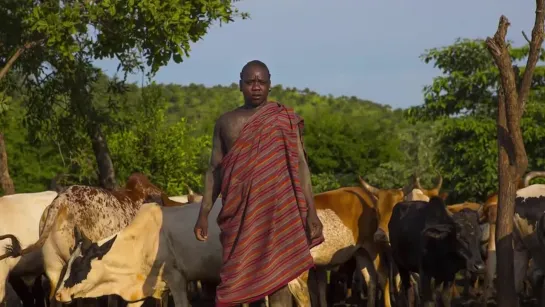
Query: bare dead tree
[(512, 158)]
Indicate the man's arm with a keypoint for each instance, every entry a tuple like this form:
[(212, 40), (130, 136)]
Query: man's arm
[(304, 173), (212, 179)]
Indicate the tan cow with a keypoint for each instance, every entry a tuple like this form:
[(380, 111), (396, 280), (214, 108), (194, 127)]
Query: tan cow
[(98, 213)]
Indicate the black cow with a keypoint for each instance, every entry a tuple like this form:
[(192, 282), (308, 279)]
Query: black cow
[(428, 240)]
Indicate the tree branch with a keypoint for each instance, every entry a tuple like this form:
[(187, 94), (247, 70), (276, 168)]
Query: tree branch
[(15, 56), (533, 54), (500, 53), (513, 111)]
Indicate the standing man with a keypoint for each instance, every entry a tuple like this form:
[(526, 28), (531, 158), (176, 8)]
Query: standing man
[(268, 221)]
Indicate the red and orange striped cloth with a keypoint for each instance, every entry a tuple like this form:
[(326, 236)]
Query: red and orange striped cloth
[(264, 212)]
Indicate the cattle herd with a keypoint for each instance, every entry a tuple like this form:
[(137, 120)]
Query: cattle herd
[(383, 247)]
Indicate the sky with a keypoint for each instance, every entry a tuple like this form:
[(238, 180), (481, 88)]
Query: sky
[(364, 48)]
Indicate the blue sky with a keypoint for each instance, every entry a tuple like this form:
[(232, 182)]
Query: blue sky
[(365, 48)]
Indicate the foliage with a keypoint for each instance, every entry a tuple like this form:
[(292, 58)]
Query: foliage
[(469, 80), (170, 154), (165, 131), (131, 31)]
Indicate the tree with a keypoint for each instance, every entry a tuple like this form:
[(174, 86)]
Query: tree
[(460, 105), (512, 160), (135, 32)]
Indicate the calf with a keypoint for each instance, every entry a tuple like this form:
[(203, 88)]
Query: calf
[(97, 212), (156, 250), (426, 239), (19, 218)]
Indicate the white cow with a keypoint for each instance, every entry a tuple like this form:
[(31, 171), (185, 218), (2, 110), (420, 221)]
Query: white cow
[(157, 248), (20, 216)]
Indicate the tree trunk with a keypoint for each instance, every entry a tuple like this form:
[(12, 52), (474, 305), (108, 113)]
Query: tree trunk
[(106, 172), (512, 158), (5, 179), (506, 210)]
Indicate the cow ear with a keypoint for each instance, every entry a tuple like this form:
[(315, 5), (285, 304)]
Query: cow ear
[(81, 238), (105, 248), (437, 232)]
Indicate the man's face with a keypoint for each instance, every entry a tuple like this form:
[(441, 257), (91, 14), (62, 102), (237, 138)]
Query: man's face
[(255, 85)]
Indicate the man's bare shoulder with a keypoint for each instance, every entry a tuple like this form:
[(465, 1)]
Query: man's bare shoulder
[(227, 117)]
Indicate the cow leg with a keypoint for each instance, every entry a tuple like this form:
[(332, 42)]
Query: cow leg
[(521, 258), (467, 282), (415, 284), (22, 290), (406, 286), (446, 292), (490, 261), (299, 289), (281, 298), (178, 287), (321, 278), (425, 288), (38, 292), (314, 288), (53, 265), (4, 272), (367, 268)]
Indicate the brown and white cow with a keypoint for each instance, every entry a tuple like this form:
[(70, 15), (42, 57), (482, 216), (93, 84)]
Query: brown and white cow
[(98, 213)]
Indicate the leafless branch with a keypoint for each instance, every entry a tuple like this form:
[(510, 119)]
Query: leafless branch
[(533, 54)]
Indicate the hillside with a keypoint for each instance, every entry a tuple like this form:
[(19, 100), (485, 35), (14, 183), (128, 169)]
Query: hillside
[(344, 136)]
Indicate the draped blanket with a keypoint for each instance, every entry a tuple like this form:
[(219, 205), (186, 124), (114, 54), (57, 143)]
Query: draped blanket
[(264, 212)]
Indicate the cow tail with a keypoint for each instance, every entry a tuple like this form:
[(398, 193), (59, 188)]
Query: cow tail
[(15, 250)]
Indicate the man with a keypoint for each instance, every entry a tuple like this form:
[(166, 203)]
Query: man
[(259, 165)]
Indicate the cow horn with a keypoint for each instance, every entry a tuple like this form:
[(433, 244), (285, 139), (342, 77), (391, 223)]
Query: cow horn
[(368, 187), (532, 175), (417, 182), (482, 214), (439, 182), (407, 189), (190, 190)]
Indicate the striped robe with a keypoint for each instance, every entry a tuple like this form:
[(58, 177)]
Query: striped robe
[(264, 212)]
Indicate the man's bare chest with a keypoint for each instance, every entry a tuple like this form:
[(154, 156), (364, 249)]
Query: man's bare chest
[(232, 129)]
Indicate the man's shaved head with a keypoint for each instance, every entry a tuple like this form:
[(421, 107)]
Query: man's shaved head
[(255, 83), (254, 63)]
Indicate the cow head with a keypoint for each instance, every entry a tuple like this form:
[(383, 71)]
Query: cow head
[(85, 268), (417, 194), (383, 202), (468, 239), (435, 191)]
